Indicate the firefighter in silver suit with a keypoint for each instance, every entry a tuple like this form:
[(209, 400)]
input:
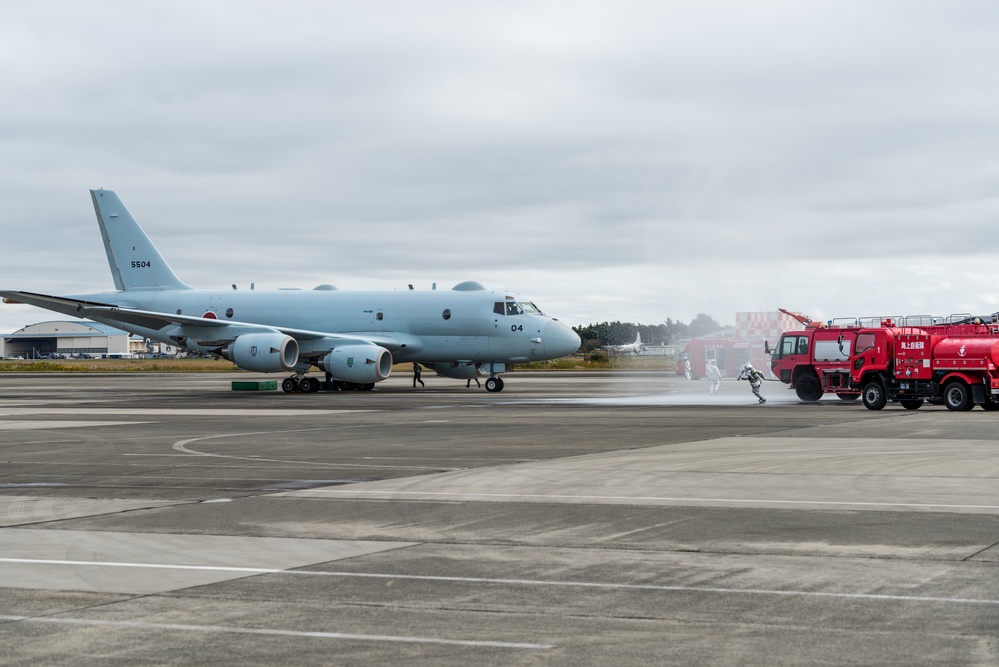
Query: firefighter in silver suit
[(755, 380)]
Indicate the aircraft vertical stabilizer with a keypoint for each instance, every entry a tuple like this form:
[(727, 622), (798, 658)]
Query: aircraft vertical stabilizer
[(134, 260)]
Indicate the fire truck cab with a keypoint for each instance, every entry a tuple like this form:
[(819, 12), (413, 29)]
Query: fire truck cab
[(816, 361)]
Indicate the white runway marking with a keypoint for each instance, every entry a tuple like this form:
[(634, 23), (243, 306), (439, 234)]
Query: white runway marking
[(222, 629), (189, 412), (39, 425), (518, 582), (181, 446), (153, 563), (670, 499)]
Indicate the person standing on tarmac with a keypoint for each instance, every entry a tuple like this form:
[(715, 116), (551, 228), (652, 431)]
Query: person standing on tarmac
[(417, 375), (714, 375), (755, 380)]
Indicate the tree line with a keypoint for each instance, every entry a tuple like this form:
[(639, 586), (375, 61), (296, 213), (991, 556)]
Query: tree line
[(623, 333)]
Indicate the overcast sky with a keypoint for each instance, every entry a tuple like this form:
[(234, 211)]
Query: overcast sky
[(620, 160)]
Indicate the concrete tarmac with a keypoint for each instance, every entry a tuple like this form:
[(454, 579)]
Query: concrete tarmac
[(573, 519)]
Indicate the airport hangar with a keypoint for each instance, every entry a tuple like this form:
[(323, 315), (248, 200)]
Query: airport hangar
[(71, 339)]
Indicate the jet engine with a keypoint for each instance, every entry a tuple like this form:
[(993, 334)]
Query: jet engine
[(263, 352), (362, 364), (458, 371)]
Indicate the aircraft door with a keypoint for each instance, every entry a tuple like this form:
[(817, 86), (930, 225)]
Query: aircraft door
[(376, 319)]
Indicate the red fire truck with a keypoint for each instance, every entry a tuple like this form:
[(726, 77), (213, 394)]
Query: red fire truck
[(730, 355), (816, 361), (955, 363)]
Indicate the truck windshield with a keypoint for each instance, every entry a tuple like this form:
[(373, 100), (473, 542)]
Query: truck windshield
[(865, 342)]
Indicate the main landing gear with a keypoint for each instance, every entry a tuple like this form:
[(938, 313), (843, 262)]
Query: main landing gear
[(303, 384), (494, 384)]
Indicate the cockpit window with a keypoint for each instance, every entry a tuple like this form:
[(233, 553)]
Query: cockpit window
[(516, 308), (530, 308)]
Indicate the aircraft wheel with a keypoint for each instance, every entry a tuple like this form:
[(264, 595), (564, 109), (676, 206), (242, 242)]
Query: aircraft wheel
[(366, 387), (308, 385), (874, 396), (494, 384), (288, 385), (911, 403)]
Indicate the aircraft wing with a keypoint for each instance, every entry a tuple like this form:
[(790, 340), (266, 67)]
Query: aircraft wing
[(82, 308), (156, 321)]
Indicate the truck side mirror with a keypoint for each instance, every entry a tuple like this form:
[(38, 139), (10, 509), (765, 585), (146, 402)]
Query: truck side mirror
[(766, 347)]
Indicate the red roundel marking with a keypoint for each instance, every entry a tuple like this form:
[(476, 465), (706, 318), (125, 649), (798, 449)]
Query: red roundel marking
[(210, 316)]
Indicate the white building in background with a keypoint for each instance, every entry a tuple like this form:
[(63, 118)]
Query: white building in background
[(74, 338)]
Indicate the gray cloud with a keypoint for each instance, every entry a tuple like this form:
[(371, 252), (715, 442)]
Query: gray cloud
[(631, 161)]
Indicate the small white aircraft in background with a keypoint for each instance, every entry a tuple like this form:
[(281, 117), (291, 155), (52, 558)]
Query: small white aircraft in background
[(354, 336), (633, 348)]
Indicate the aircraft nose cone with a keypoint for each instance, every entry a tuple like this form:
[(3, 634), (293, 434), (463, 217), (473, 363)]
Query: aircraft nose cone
[(560, 340)]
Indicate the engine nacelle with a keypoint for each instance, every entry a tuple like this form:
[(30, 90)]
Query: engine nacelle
[(458, 371), (362, 364), (263, 352)]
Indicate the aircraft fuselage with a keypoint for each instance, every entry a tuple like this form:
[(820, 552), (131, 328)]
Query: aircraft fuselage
[(441, 325)]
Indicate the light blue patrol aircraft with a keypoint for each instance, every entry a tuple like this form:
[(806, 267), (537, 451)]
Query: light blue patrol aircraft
[(354, 336)]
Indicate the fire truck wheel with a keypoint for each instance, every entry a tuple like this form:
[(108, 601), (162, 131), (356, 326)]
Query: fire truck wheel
[(874, 396), (808, 388), (957, 396), (911, 403)]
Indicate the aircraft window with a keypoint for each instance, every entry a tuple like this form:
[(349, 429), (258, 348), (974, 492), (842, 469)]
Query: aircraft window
[(499, 308), (446, 314), (513, 308), (530, 308), (379, 316), (228, 312)]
